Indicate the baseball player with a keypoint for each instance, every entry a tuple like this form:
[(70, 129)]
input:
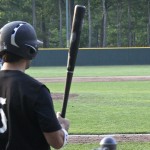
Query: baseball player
[(27, 117)]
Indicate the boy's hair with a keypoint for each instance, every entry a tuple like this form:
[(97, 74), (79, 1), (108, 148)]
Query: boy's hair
[(9, 57)]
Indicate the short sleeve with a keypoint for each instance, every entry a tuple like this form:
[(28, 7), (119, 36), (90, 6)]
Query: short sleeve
[(45, 113)]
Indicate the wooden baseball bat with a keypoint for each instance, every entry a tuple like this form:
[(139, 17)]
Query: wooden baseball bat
[(77, 23)]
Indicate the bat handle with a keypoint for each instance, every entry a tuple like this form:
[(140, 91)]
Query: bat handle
[(66, 94)]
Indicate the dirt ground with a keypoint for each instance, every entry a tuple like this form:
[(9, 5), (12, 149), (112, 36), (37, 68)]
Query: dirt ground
[(97, 138), (118, 137)]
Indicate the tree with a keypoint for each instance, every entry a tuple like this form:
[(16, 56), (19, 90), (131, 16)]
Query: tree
[(104, 23), (33, 14), (60, 23), (148, 25), (89, 20), (119, 16), (129, 24)]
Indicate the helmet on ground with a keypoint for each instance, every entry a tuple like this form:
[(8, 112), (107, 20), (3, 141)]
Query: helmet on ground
[(19, 38), (108, 143)]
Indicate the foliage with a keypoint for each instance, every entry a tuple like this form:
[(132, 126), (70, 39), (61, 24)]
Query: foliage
[(121, 23)]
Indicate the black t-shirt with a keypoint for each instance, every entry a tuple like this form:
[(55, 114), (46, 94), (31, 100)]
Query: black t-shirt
[(26, 111)]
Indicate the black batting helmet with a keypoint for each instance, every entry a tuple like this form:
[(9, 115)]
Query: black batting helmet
[(19, 38), (108, 143)]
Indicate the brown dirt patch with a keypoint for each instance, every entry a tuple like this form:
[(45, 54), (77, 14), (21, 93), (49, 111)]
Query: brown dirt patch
[(59, 96), (119, 138)]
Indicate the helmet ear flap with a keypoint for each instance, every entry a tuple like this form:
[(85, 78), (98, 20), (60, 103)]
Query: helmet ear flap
[(30, 51)]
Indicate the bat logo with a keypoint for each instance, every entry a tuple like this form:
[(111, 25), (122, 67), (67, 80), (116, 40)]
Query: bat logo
[(73, 37)]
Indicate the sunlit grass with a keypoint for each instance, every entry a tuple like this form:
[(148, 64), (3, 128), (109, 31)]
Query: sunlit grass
[(91, 71), (104, 107)]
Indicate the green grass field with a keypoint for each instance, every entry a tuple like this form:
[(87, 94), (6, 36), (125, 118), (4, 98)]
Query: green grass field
[(120, 146), (91, 71), (108, 107), (104, 107)]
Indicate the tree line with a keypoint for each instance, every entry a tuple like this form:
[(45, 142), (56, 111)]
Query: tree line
[(107, 23)]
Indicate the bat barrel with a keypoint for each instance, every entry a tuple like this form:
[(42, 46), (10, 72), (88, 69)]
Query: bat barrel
[(77, 23)]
